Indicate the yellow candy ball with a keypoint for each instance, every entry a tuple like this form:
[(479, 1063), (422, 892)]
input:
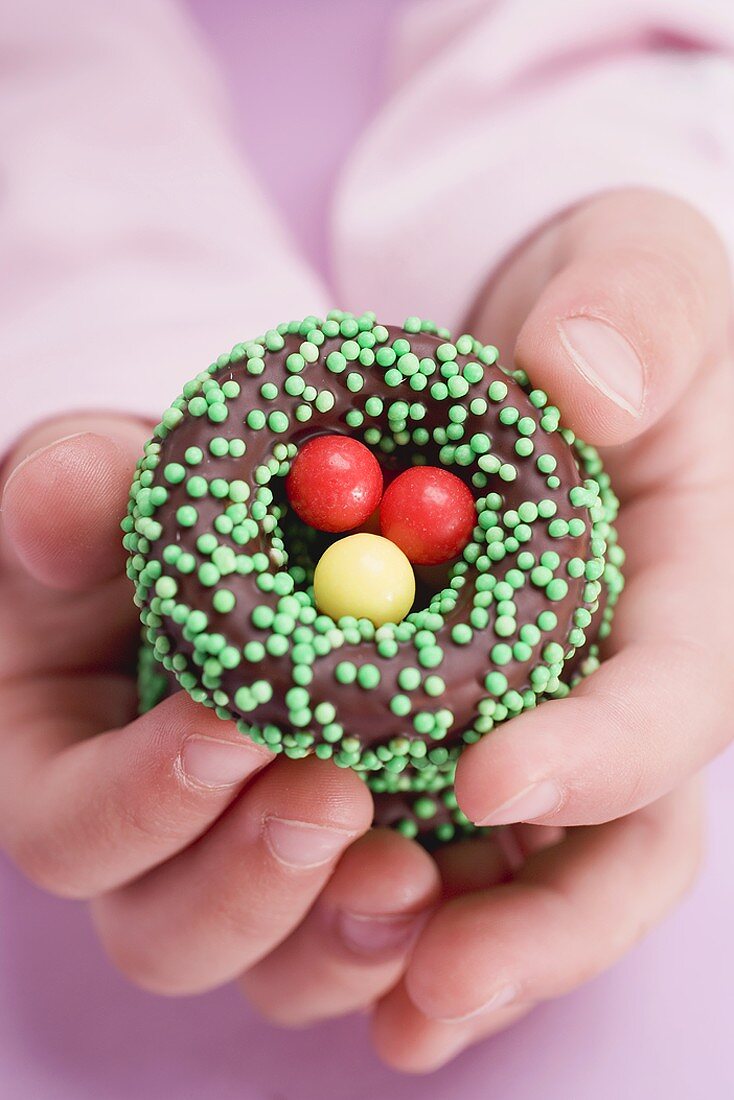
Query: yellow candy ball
[(366, 576)]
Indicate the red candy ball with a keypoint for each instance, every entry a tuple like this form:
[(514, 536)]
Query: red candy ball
[(334, 483), (429, 513)]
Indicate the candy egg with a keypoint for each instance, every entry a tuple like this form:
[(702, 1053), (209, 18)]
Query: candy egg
[(335, 483), (429, 513), (366, 576)]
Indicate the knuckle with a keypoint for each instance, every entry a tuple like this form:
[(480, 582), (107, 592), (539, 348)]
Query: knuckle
[(640, 271), (693, 864), (709, 667), (653, 208), (161, 812), (411, 1057), (144, 974), (629, 760), (662, 245), (693, 847), (277, 1012), (706, 232), (141, 964), (49, 868), (149, 822), (673, 830), (644, 768)]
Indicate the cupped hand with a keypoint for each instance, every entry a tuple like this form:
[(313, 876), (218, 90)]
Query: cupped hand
[(207, 860), (621, 310), (200, 851)]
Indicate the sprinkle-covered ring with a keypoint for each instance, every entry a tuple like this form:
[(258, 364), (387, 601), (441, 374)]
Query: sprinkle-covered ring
[(223, 569)]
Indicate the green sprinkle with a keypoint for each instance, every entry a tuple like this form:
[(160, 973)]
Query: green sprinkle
[(409, 678), (336, 362), (295, 363), (557, 589), (400, 705), (174, 473), (224, 601), (501, 654), (254, 652), (496, 682), (256, 419), (368, 676), (462, 634), (187, 515), (346, 672), (434, 686)]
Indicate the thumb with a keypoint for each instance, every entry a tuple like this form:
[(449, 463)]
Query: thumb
[(65, 491), (635, 304)]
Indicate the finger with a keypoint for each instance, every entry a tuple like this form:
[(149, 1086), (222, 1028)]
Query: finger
[(638, 696), (65, 492), (536, 838), (408, 1041), (572, 911), (482, 861), (355, 942), (651, 715), (517, 842), (473, 863), (86, 817), (59, 530), (216, 909), (485, 960), (633, 299)]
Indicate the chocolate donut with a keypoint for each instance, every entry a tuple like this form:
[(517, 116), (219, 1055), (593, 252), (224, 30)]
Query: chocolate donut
[(223, 568)]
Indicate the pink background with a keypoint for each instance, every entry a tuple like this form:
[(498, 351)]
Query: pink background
[(658, 1024)]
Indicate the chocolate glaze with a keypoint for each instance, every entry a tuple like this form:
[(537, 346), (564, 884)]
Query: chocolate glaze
[(366, 714)]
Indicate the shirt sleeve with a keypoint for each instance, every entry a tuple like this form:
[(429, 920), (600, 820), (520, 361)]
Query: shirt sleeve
[(505, 112), (133, 239)]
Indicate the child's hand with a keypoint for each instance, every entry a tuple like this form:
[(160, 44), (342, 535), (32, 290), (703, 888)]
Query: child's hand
[(621, 310), (193, 872), (201, 852)]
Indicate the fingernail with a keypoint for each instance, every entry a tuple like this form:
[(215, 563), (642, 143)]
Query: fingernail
[(302, 844), (535, 801), (370, 934), (208, 762), (606, 359), (501, 998)]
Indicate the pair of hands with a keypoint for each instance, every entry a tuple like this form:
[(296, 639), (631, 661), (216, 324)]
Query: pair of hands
[(207, 860)]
